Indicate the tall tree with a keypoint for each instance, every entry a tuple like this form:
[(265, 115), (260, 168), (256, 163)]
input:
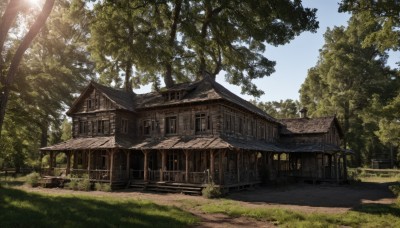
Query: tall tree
[(181, 40), (344, 80), (55, 68), (282, 109), (7, 20)]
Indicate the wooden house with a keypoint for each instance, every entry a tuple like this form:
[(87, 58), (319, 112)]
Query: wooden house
[(189, 135)]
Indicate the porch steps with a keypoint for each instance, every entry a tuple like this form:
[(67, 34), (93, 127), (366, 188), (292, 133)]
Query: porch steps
[(190, 189)]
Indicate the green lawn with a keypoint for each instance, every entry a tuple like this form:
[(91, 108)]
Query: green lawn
[(22, 209), (369, 215)]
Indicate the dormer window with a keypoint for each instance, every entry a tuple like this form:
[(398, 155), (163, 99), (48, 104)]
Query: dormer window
[(173, 95), (89, 104)]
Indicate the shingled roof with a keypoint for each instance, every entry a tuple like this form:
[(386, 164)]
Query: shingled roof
[(308, 126), (206, 89), (123, 99)]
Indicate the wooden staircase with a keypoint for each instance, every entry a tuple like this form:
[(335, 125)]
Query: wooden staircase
[(190, 189)]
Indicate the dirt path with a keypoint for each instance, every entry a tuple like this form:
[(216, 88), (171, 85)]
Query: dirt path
[(301, 197)]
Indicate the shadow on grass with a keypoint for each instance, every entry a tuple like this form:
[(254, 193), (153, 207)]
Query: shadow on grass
[(379, 209), (22, 209), (348, 196)]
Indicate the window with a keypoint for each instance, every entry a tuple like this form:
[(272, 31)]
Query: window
[(202, 123), (146, 127), (240, 125), (170, 125), (89, 104), (124, 126), (83, 128), (102, 126)]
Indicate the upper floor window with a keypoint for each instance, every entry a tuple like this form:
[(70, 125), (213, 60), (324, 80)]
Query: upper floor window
[(89, 104), (124, 126), (83, 128), (146, 127), (202, 123), (102, 126), (170, 125)]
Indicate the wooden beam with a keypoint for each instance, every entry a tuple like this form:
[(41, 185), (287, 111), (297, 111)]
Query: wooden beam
[(146, 166), (222, 154), (89, 161), (128, 161), (51, 159), (112, 164), (67, 171), (187, 154), (163, 164), (238, 168), (212, 164)]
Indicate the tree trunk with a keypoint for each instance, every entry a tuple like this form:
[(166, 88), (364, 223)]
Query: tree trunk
[(128, 76), (169, 82), (16, 60)]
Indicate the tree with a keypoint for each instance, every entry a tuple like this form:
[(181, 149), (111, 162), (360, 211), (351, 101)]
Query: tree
[(184, 40), (346, 78), (8, 18), (386, 13), (282, 109), (56, 67)]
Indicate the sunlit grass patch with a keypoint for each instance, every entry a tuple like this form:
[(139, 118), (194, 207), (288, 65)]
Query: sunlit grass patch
[(22, 209)]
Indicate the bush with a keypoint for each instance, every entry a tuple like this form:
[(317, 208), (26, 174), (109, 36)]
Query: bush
[(84, 184), (211, 191), (102, 187), (395, 189), (33, 179), (73, 184)]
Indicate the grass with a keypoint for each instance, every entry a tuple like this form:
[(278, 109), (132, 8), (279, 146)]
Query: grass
[(22, 209), (368, 215)]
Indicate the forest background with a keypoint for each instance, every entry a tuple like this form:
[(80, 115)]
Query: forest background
[(135, 43)]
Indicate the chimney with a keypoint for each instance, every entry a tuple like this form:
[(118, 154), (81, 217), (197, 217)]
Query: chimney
[(303, 112)]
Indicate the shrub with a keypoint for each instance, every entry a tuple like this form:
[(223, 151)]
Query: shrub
[(102, 187), (73, 184), (84, 184), (33, 179), (211, 191), (97, 186), (395, 189)]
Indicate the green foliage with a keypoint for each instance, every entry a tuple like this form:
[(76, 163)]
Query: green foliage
[(395, 189), (104, 187), (353, 82), (176, 40), (32, 179), (211, 191), (280, 109), (370, 215), (85, 211), (84, 185)]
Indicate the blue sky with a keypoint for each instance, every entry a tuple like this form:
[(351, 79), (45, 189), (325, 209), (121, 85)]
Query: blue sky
[(294, 59)]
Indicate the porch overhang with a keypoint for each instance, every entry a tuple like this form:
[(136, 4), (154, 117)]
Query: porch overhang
[(86, 143), (193, 143)]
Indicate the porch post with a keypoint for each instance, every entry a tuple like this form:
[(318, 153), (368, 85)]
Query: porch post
[(186, 165), (337, 168), (256, 160), (128, 154), (238, 164), (75, 160), (212, 168), (163, 164), (67, 171), (270, 165), (111, 165), (146, 166), (279, 164), (89, 162), (344, 166), (51, 159), (222, 154), (323, 165)]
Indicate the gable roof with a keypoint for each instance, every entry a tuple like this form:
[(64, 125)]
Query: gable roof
[(206, 89), (121, 98), (309, 126)]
